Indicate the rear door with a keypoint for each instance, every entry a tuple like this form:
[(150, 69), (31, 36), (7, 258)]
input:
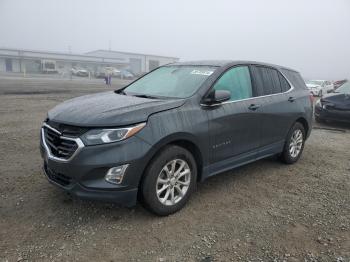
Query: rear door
[(277, 107), (234, 126)]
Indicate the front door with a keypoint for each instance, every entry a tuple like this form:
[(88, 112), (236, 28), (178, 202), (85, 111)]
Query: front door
[(234, 126)]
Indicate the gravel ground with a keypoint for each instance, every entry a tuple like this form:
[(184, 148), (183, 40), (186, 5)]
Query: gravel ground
[(265, 211)]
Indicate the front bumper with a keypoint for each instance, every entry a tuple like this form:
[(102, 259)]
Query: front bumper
[(332, 114), (83, 176), (126, 197)]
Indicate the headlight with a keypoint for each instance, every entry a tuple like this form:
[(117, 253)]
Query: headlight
[(324, 105), (103, 136), (327, 106)]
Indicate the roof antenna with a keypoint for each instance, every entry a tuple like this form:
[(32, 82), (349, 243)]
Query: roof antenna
[(109, 45)]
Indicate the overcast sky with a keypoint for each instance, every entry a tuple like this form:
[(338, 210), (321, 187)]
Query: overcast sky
[(311, 36)]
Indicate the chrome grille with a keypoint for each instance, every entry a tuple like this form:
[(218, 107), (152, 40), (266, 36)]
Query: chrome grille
[(58, 145)]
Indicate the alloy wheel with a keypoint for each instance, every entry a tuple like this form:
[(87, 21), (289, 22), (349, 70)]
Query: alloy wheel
[(296, 143), (173, 182)]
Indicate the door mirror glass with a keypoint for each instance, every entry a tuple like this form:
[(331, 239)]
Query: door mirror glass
[(217, 96)]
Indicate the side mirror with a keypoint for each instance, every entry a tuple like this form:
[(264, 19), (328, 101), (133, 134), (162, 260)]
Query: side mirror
[(217, 96)]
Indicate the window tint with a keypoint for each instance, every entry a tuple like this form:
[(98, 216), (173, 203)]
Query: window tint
[(237, 81), (267, 80), (284, 83), (171, 81), (295, 78)]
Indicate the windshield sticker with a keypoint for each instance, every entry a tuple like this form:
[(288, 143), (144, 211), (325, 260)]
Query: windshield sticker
[(199, 72)]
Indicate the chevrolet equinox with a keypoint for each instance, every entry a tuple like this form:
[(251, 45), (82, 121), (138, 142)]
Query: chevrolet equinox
[(154, 139)]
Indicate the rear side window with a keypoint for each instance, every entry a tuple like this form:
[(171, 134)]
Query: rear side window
[(267, 80), (295, 78), (237, 81)]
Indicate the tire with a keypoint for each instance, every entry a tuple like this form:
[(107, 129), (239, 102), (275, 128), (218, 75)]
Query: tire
[(160, 177), (289, 156)]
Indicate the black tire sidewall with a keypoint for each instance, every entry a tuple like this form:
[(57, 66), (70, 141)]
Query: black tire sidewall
[(148, 186)]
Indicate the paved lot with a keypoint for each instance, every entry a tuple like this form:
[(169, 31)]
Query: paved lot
[(265, 211)]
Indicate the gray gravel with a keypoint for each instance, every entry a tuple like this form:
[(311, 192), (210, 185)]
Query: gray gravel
[(265, 211)]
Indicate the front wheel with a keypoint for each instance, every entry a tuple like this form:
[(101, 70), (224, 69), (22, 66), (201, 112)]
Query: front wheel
[(294, 144), (169, 180)]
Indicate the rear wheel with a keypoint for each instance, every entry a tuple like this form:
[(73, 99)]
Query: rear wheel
[(169, 180), (294, 145)]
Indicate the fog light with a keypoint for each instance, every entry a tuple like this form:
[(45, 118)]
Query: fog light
[(115, 174)]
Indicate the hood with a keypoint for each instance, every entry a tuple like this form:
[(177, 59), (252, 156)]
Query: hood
[(109, 109), (313, 86), (340, 101)]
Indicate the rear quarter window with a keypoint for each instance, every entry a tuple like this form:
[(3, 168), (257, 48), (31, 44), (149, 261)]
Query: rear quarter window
[(284, 83), (295, 78)]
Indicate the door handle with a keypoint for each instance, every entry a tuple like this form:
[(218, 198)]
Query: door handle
[(291, 99), (253, 107)]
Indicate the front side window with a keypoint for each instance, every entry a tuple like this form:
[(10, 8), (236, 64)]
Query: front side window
[(171, 81), (237, 81)]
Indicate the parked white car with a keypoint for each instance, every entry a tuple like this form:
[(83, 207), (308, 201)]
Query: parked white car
[(113, 70), (319, 87), (78, 71)]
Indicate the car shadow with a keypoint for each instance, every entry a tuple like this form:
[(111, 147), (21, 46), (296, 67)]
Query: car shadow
[(88, 211)]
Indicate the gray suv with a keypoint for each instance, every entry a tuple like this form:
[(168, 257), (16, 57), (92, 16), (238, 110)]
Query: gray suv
[(180, 124)]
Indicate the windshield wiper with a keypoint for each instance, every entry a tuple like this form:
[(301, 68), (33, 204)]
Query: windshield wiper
[(146, 96), (120, 91)]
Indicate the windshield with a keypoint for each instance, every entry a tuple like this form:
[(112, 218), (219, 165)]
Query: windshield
[(315, 82), (171, 81), (344, 89)]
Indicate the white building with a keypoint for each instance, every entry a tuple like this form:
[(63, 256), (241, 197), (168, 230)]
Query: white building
[(137, 62), (33, 61)]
